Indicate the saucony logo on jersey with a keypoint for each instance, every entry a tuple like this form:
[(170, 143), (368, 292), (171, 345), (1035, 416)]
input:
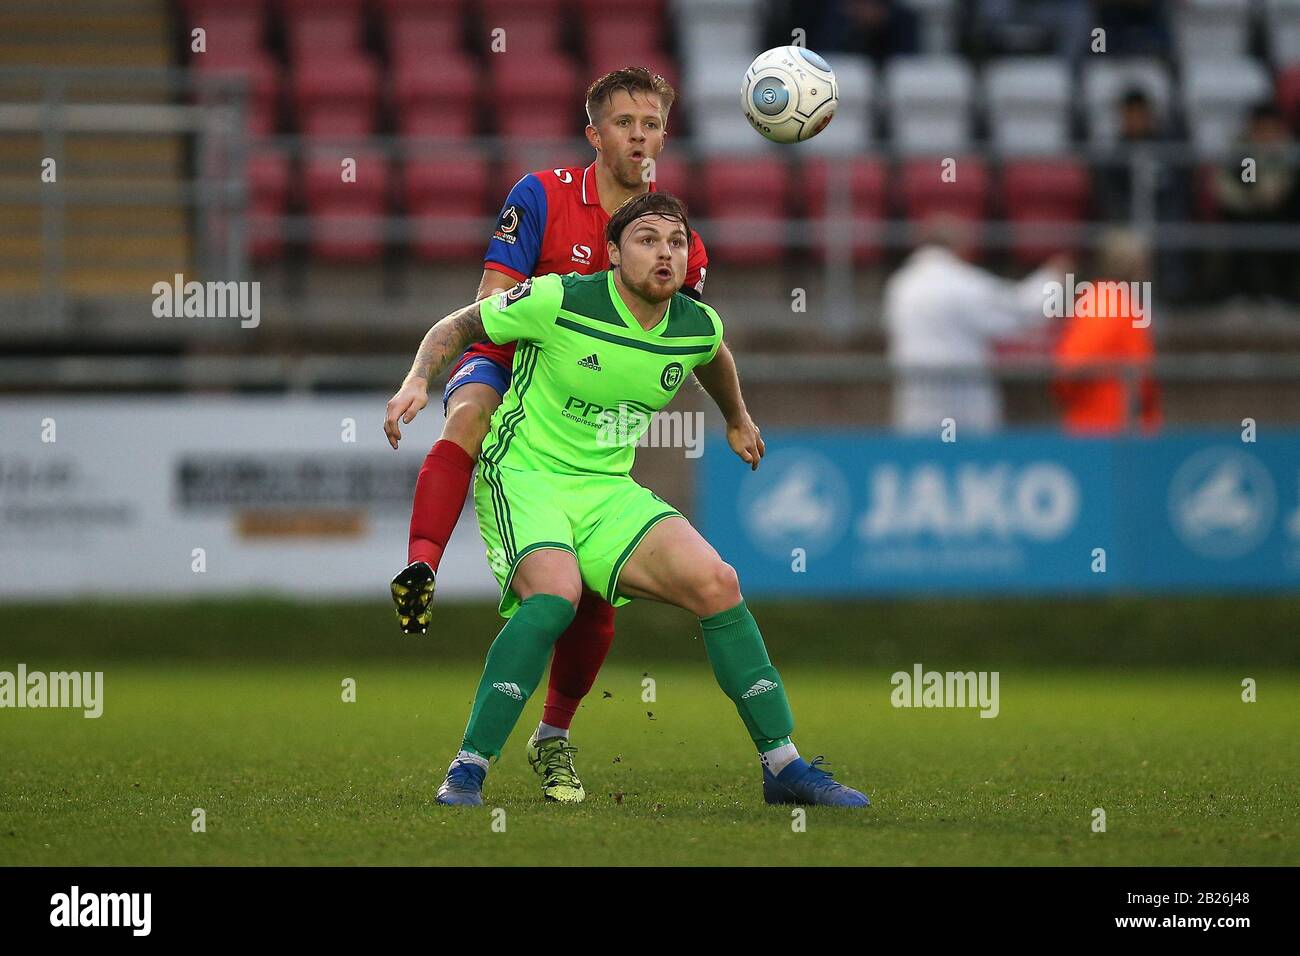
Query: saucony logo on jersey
[(590, 362), (581, 254)]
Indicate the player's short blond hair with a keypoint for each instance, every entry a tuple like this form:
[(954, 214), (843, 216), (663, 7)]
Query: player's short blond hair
[(631, 80)]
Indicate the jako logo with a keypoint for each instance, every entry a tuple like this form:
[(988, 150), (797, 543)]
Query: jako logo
[(761, 687), (582, 254), (510, 690), (103, 909)]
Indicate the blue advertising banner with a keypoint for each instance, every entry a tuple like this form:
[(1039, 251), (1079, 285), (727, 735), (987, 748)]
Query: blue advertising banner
[(860, 512)]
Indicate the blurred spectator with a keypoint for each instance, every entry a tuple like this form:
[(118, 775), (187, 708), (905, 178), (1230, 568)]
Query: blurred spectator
[(1138, 185), (1134, 27), (1101, 331), (1272, 198), (942, 318), (1027, 27), (877, 28)]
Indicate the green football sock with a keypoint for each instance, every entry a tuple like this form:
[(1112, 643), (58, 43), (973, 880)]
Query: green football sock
[(513, 670), (746, 675)]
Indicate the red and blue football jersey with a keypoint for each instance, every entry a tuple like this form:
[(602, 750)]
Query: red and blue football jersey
[(552, 221)]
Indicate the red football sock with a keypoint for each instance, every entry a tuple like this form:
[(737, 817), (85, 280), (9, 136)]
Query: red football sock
[(579, 653), (439, 498)]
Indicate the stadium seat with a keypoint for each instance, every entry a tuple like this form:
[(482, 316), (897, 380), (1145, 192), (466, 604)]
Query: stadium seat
[(322, 29), (1043, 191), (338, 96), (227, 32), (1282, 28), (422, 27), (1106, 81), (868, 189), (710, 30), (1211, 28), (346, 217), (532, 25), (1288, 95), (746, 203), (448, 199), (268, 195), (717, 123), (929, 103), (436, 97), (673, 174), (927, 196), (1028, 104), (1217, 97), (634, 27), (535, 96)]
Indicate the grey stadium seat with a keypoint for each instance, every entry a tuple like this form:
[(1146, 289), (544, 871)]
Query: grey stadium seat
[(929, 103), (1282, 27), (1028, 103), (1212, 28), (1217, 97), (851, 130)]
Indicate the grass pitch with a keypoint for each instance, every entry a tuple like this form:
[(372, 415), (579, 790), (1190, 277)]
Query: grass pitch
[(288, 773)]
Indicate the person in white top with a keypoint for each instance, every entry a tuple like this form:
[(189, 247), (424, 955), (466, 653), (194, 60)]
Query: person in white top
[(942, 318)]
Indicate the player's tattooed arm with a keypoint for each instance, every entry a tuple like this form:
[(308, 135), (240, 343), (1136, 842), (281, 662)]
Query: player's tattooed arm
[(721, 380), (447, 339)]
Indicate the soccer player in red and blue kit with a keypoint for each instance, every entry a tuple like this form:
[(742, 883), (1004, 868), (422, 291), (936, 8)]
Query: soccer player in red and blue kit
[(553, 221)]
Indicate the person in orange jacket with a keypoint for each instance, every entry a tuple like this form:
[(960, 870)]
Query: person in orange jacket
[(1110, 324)]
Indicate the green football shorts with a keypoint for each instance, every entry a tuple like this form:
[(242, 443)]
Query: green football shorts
[(598, 518)]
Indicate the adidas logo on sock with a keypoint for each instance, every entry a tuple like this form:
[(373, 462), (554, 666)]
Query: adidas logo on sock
[(762, 687), (510, 690), (590, 362)]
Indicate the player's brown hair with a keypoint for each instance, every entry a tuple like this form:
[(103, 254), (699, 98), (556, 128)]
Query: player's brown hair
[(631, 80), (646, 204)]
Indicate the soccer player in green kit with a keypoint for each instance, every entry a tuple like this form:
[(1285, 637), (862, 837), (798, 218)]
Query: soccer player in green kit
[(557, 507)]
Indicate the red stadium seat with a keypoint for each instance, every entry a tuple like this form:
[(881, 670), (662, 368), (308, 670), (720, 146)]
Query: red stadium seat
[(746, 199), (446, 194), (226, 33), (337, 97), (673, 175), (422, 27), (1040, 191), (268, 187), (867, 202), (346, 217), (436, 97), (927, 195), (1288, 96), (535, 96), (531, 25), (256, 68), (632, 35)]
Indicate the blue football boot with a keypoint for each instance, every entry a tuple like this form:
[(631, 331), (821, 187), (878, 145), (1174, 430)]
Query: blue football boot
[(463, 786), (804, 782)]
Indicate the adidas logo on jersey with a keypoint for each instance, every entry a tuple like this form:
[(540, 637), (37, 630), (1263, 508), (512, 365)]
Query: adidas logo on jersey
[(590, 362), (510, 690), (762, 687)]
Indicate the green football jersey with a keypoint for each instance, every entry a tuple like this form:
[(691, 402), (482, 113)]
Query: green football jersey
[(587, 377)]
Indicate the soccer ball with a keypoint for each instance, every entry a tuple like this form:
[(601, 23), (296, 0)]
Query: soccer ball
[(789, 94)]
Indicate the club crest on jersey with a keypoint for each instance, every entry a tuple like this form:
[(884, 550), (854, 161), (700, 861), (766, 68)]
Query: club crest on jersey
[(582, 254), (515, 294), (508, 226), (672, 376)]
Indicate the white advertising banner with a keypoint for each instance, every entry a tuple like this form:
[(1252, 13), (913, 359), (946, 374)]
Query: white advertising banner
[(194, 496)]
